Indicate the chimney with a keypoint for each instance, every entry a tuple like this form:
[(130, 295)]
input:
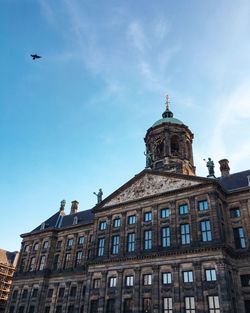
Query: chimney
[(224, 167), (74, 207), (63, 203)]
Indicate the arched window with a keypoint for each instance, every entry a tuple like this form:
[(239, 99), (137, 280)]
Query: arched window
[(174, 145)]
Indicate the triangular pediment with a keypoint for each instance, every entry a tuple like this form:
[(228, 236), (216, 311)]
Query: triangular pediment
[(149, 184)]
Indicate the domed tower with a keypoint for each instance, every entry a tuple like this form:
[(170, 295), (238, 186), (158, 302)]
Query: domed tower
[(169, 145)]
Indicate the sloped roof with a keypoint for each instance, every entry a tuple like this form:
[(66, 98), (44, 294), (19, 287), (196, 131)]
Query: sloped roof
[(234, 181), (7, 258), (84, 217)]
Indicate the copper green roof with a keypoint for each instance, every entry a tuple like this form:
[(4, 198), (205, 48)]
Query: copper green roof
[(168, 120), (167, 117)]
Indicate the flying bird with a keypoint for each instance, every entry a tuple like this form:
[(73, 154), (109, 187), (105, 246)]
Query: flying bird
[(35, 56)]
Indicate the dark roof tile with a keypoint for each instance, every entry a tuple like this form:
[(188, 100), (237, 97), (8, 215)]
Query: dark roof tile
[(234, 181)]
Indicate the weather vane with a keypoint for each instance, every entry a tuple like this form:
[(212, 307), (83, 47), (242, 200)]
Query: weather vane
[(167, 102)]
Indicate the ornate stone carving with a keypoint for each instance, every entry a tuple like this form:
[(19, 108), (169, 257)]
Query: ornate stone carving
[(150, 185)]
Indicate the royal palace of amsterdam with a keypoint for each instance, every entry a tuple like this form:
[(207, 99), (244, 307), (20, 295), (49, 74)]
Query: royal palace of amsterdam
[(167, 241)]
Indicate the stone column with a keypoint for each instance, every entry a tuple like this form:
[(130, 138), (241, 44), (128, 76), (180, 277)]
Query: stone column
[(137, 290), (155, 290)]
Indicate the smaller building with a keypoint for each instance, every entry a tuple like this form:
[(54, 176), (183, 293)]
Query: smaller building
[(8, 262)]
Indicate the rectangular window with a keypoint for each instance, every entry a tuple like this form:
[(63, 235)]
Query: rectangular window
[(110, 306), (166, 278), (147, 305), (70, 309), (203, 205), (235, 212), (58, 309), (128, 306), (67, 260), (21, 309), (115, 244), (131, 219), (165, 237), (147, 216), (94, 306), (78, 260), (129, 281), (239, 238), (185, 234), (187, 276), (14, 295), (45, 244), (112, 282), (73, 291), (101, 244), (167, 305), (50, 293), (47, 309), (147, 279), (32, 264), (147, 239), (31, 309), (213, 304), (59, 244), (165, 213), (245, 280), (189, 305), (42, 263), (210, 274), (70, 242), (102, 225), (61, 292), (25, 293), (34, 292), (183, 209), (117, 222), (55, 262), (97, 283), (81, 240), (206, 234), (131, 242)]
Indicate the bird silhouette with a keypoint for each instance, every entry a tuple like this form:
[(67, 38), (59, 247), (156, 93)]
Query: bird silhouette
[(35, 56)]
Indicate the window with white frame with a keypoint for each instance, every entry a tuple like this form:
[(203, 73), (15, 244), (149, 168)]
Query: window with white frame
[(187, 276), (147, 239), (206, 233), (213, 304), (202, 205), (129, 281), (147, 216), (102, 225), (147, 279), (165, 212), (167, 305), (117, 222), (167, 278), (101, 244), (131, 219), (32, 264), (185, 234), (80, 240), (239, 238), (70, 242), (183, 209), (131, 242), (165, 237), (42, 263), (112, 282), (115, 244), (210, 274), (45, 244), (189, 305)]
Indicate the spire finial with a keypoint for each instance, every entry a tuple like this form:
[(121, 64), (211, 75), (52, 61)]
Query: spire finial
[(167, 102)]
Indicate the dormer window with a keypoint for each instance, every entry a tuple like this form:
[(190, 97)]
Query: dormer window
[(75, 220), (248, 180), (42, 226)]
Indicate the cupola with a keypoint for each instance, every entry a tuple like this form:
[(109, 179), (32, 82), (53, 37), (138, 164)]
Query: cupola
[(169, 145)]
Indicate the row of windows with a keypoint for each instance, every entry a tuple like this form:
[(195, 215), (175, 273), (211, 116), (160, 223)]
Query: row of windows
[(167, 305), (45, 244), (206, 235), (147, 216), (187, 277), (128, 306)]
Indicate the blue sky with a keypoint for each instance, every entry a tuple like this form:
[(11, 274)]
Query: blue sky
[(74, 121)]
